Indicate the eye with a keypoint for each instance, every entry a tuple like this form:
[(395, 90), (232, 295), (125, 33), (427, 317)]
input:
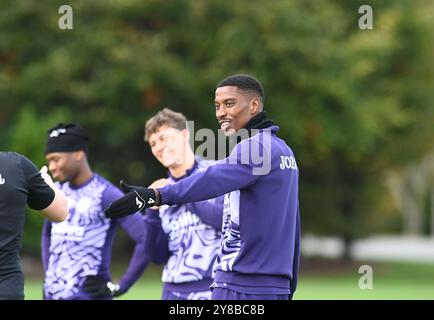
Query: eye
[(230, 104), (217, 106)]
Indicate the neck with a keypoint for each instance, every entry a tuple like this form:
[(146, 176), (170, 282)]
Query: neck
[(181, 169), (85, 175)]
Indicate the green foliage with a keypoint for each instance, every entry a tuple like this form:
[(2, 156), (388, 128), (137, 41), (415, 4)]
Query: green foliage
[(351, 103), (29, 132)]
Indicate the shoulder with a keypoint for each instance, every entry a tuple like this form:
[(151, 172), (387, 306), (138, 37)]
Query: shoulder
[(23, 164), (15, 168), (103, 181), (203, 164), (110, 191), (268, 139), (14, 158), (260, 141)]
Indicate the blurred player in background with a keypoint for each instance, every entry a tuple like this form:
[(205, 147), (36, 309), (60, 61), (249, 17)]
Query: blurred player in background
[(184, 237), (76, 253)]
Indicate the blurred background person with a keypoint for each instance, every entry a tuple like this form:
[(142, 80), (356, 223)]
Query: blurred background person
[(76, 253), (185, 237)]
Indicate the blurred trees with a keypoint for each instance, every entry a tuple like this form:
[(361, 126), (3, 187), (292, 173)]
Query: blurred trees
[(413, 190), (351, 103)]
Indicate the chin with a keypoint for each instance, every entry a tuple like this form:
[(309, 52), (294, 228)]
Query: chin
[(168, 164), (60, 180), (230, 132)]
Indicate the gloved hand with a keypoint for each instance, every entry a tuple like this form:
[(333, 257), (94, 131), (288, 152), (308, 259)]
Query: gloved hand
[(158, 184), (135, 199), (98, 287)]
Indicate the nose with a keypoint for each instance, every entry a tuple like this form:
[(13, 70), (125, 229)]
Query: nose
[(220, 113), (158, 147), (51, 166)]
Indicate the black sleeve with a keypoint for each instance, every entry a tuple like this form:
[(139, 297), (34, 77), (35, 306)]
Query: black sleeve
[(40, 194)]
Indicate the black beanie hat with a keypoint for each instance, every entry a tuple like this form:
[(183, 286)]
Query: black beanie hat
[(66, 138)]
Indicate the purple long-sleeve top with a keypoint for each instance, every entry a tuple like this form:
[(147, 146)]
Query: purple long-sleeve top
[(186, 238), (81, 245)]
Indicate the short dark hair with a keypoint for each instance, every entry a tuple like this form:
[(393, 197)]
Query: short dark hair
[(244, 82), (165, 117)]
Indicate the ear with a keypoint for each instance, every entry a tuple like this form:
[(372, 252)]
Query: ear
[(79, 155), (255, 105)]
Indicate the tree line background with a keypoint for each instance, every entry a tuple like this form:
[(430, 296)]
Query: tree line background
[(356, 106)]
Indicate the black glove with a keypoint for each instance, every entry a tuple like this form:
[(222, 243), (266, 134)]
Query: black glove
[(98, 287), (135, 199)]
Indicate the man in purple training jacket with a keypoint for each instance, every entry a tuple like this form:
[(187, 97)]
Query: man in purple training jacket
[(76, 253), (259, 254)]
